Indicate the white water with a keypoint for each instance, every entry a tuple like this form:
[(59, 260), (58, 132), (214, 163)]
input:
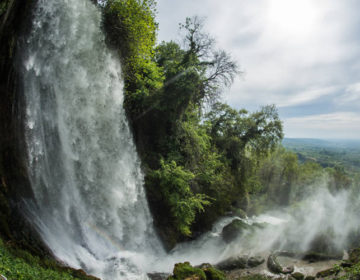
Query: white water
[(90, 206), (325, 217)]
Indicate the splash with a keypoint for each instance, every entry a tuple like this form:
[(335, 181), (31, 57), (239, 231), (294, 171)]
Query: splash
[(326, 223)]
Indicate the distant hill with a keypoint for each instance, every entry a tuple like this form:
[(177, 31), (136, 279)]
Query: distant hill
[(321, 143), (327, 152)]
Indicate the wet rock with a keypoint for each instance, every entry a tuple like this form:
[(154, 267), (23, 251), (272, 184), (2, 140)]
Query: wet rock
[(241, 213), (240, 262), (232, 263), (286, 254), (259, 225), (346, 264), (212, 273), (204, 266), (275, 267), (309, 278), (288, 270), (317, 257), (255, 261), (158, 276), (298, 276), (233, 230)]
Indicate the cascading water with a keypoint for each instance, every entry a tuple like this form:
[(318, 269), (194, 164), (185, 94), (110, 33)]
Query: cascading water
[(90, 204)]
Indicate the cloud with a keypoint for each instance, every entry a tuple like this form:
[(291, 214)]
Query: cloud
[(351, 96), (294, 52), (287, 97), (343, 125), (306, 96)]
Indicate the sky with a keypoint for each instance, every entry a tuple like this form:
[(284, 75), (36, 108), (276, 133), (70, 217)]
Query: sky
[(301, 55)]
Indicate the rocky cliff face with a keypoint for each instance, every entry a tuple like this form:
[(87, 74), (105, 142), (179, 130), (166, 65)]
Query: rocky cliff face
[(14, 184)]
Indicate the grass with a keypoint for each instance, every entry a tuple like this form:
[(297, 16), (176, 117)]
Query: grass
[(16, 264)]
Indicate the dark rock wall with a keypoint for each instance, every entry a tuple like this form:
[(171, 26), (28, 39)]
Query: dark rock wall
[(15, 22)]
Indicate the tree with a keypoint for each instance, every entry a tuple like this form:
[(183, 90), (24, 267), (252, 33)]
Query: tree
[(260, 131), (131, 28), (214, 68), (242, 139), (174, 185)]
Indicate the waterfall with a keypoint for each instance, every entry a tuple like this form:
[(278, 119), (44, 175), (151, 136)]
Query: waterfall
[(90, 207)]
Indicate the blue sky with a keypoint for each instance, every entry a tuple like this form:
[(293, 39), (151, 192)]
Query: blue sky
[(302, 55)]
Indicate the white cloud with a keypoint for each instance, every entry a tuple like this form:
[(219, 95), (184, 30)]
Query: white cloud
[(344, 125), (293, 51), (351, 96), (306, 96), (285, 98)]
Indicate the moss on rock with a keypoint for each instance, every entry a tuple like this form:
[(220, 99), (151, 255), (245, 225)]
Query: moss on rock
[(185, 270), (354, 255), (204, 272), (298, 275), (234, 229), (326, 273)]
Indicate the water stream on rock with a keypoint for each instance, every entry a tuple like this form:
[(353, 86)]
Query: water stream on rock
[(90, 207)]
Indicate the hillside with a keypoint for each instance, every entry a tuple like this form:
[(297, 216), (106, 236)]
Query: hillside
[(328, 153)]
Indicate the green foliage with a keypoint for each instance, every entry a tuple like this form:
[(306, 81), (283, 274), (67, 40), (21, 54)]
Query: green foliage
[(212, 177), (16, 264), (277, 174), (338, 178), (174, 184), (327, 153), (337, 161), (286, 180), (260, 132), (182, 81), (210, 159), (131, 29), (134, 20), (183, 270), (243, 139), (351, 273)]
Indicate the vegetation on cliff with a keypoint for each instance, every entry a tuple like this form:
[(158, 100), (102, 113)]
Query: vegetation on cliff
[(201, 157), (198, 161)]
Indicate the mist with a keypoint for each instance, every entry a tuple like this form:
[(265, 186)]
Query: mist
[(326, 222)]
